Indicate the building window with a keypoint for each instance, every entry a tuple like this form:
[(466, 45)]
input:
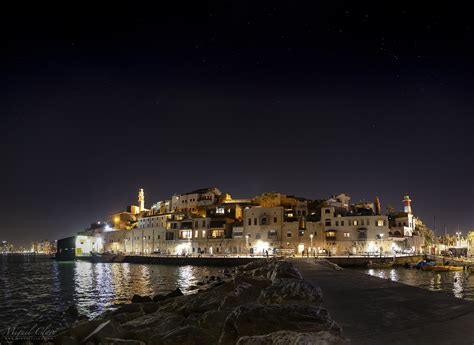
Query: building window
[(263, 221), (356, 222), (330, 235), (220, 210), (347, 234), (327, 211), (255, 221), (257, 236), (250, 221), (342, 223), (272, 234), (367, 221), (196, 234), (275, 220), (204, 233), (337, 223), (196, 224), (379, 222), (327, 222), (361, 222), (203, 223)]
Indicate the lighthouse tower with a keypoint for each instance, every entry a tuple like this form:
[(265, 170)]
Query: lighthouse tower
[(141, 199), (407, 204)]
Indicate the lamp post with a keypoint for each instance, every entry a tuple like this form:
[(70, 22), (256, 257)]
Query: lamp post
[(247, 243), (458, 234), (381, 244)]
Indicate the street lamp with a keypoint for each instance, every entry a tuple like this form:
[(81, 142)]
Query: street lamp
[(458, 234), (381, 244), (247, 242)]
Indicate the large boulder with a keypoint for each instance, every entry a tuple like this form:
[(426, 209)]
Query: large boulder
[(284, 269), (107, 329), (213, 321), (256, 319), (115, 341), (141, 299), (252, 265), (185, 335), (290, 291), (129, 308), (247, 290), (159, 297), (294, 338), (125, 317), (175, 293), (152, 325), (202, 302), (79, 331)]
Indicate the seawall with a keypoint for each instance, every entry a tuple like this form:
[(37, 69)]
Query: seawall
[(174, 260), (351, 261)]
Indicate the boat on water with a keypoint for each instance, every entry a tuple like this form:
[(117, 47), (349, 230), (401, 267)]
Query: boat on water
[(380, 264), (442, 268)]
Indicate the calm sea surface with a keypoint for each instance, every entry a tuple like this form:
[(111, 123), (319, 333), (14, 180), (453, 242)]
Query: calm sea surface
[(36, 292), (459, 284)]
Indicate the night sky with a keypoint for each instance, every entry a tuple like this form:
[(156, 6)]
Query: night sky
[(276, 96)]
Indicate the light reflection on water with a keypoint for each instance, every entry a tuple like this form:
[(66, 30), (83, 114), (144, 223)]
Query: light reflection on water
[(458, 283), (39, 291)]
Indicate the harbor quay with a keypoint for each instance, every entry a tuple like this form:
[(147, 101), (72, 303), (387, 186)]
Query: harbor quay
[(237, 260), (372, 310)]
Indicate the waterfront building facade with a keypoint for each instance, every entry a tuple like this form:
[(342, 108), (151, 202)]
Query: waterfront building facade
[(209, 222)]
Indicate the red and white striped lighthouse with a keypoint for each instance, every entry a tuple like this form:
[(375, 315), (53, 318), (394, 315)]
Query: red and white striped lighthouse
[(407, 204)]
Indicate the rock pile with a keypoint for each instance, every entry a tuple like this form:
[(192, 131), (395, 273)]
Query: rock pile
[(263, 302)]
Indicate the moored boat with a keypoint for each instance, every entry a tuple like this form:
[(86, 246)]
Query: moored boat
[(380, 264), (441, 268)]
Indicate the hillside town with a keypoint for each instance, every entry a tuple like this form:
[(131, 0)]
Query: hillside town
[(210, 222)]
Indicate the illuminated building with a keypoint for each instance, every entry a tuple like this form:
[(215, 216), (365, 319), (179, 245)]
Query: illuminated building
[(206, 221)]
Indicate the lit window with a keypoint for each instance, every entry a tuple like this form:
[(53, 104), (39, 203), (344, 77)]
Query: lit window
[(204, 233), (196, 234), (220, 210), (379, 222), (347, 234)]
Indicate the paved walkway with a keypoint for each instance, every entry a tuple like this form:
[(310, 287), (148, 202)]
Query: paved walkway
[(372, 310)]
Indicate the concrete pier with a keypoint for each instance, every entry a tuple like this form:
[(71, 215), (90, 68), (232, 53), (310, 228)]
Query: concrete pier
[(372, 310)]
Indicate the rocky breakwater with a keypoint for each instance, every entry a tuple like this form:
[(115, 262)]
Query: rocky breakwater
[(264, 302)]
